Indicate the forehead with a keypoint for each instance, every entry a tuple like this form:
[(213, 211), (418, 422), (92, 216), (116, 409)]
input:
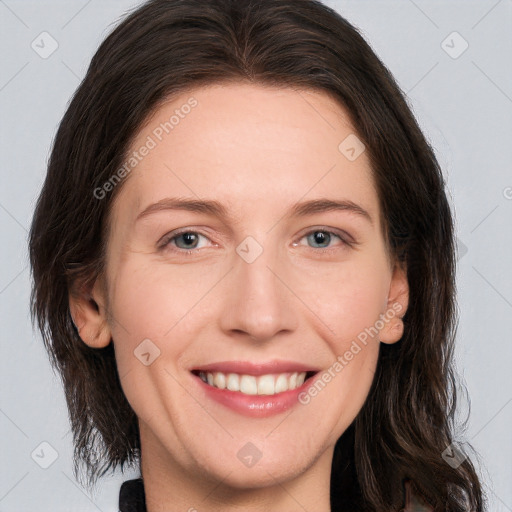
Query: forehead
[(247, 144)]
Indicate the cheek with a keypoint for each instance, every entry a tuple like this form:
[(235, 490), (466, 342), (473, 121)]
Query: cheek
[(153, 322), (166, 302), (152, 299), (356, 370), (159, 303), (347, 299)]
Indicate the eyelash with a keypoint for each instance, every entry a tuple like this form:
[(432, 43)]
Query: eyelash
[(172, 236)]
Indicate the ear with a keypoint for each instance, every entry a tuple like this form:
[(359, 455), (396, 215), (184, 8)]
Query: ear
[(88, 310), (398, 301)]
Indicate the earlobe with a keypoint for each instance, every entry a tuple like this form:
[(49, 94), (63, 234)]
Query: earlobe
[(88, 313), (398, 301)]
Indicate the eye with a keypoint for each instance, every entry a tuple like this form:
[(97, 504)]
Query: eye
[(323, 237), (185, 240)]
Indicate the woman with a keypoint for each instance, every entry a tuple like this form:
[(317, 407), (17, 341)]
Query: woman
[(243, 263)]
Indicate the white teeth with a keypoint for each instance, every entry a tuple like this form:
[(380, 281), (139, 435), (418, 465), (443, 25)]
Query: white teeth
[(266, 385), (233, 382), (219, 380), (301, 377), (270, 384), (281, 384), (248, 385)]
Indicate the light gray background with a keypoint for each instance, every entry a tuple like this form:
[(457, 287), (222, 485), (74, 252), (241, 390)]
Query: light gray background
[(464, 106)]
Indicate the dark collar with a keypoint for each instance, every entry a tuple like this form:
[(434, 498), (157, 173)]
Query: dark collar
[(133, 499), (131, 496)]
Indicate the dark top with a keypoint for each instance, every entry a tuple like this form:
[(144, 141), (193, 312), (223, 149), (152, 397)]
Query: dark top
[(133, 499), (131, 496)]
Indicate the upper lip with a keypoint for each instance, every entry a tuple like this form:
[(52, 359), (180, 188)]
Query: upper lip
[(251, 368)]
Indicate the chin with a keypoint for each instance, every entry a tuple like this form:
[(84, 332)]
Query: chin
[(247, 467)]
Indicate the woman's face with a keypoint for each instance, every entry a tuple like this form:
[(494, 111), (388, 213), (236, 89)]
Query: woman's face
[(249, 282)]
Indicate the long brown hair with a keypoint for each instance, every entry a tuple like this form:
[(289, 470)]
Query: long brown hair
[(167, 46)]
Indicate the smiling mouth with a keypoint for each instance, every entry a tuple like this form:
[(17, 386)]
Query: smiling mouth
[(267, 384)]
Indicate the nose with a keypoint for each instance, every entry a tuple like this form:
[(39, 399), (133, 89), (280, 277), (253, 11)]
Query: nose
[(259, 303)]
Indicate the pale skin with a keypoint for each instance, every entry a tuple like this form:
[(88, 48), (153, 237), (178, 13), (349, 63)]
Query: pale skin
[(256, 150)]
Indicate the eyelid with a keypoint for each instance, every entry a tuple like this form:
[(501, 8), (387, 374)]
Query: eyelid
[(346, 238), (166, 239)]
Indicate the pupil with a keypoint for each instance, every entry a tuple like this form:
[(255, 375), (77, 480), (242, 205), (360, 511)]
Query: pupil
[(189, 238), (320, 237)]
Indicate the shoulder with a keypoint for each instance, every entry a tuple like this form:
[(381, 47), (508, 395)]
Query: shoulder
[(132, 497)]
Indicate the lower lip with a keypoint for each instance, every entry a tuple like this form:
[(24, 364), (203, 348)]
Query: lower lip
[(255, 406)]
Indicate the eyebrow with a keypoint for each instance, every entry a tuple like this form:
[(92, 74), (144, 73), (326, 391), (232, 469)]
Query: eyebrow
[(212, 207)]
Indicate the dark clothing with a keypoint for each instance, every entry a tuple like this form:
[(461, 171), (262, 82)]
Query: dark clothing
[(132, 497)]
